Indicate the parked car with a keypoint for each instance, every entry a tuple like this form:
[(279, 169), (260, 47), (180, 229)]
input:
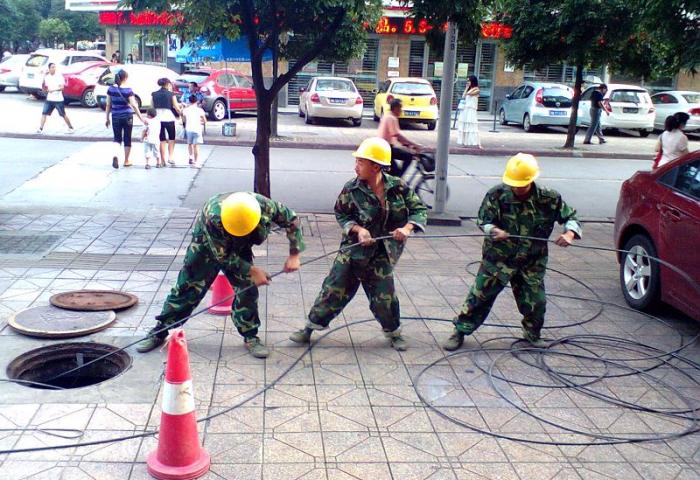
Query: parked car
[(630, 107), (668, 103), (658, 214), (219, 85), (10, 70), (330, 97), (81, 79), (417, 95), (537, 103), (143, 80), (37, 65)]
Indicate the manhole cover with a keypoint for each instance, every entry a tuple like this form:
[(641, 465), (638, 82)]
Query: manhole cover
[(43, 367), (94, 300), (52, 322)]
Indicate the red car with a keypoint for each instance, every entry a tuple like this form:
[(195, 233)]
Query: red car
[(81, 79), (658, 214), (215, 86)]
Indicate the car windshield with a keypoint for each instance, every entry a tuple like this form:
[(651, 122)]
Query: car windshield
[(692, 97), (334, 85), (628, 96), (37, 60), (412, 88), (196, 77)]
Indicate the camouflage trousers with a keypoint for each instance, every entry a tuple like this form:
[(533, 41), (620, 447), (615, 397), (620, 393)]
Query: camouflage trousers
[(375, 274), (527, 282), (198, 272)]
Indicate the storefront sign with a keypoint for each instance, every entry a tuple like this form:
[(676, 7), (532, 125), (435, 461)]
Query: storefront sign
[(412, 26), (462, 69), (148, 18), (496, 30), (438, 69), (393, 62)]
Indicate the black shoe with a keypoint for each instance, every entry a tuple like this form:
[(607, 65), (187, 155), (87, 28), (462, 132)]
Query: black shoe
[(115, 162), (586, 143), (602, 140)]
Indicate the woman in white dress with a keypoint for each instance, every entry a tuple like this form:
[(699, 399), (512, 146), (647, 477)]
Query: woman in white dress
[(468, 126)]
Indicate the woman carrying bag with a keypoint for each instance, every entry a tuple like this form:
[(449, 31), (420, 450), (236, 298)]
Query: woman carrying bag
[(122, 105)]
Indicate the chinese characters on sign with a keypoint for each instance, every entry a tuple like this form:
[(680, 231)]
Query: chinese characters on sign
[(411, 26)]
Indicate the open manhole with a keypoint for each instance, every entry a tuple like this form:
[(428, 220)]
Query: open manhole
[(41, 367)]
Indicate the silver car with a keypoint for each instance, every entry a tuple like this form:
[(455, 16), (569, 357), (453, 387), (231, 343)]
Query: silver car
[(537, 103), (10, 69), (331, 97)]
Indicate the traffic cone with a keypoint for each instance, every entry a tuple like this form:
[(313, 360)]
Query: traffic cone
[(179, 455), (221, 289)]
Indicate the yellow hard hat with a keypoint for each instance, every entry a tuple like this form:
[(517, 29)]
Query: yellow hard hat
[(374, 149), (240, 213), (521, 170)]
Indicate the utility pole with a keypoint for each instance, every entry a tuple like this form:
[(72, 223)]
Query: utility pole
[(438, 215)]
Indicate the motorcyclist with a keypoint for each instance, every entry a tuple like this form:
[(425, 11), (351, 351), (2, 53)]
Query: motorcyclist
[(402, 148)]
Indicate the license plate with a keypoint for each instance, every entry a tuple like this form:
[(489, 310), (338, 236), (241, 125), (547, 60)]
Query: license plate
[(410, 113), (337, 100), (557, 113), (30, 75), (630, 110)]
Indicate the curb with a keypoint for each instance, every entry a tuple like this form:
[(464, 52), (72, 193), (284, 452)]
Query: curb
[(276, 143)]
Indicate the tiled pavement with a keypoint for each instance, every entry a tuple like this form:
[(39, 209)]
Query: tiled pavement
[(349, 409)]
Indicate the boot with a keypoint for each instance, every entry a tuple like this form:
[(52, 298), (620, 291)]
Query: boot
[(454, 342), (256, 347), (534, 340), (301, 336), (398, 343), (153, 340)]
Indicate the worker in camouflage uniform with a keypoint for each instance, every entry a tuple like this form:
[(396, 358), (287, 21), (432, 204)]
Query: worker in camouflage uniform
[(372, 205), (222, 239), (518, 206)]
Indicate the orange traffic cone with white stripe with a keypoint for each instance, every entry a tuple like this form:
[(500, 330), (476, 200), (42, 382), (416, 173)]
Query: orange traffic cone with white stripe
[(221, 289), (179, 454)]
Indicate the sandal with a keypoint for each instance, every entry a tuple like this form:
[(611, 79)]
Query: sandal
[(148, 167), (128, 165)]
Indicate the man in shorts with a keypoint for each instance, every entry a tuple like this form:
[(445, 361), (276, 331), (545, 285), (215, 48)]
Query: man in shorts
[(53, 86), (195, 119)]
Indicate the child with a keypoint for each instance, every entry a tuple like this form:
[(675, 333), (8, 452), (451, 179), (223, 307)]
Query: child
[(195, 119), (151, 138)]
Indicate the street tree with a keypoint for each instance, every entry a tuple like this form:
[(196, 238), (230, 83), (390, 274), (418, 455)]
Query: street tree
[(636, 38), (326, 29), (53, 31)]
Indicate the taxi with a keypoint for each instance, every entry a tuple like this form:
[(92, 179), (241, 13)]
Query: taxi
[(417, 97)]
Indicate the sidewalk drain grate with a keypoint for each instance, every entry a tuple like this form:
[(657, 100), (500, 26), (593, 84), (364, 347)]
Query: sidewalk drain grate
[(39, 368), (26, 244)]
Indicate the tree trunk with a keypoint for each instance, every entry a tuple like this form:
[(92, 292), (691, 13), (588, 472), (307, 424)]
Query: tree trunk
[(571, 132), (261, 150), (275, 106)]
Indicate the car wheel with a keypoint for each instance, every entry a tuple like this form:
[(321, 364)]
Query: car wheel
[(308, 119), (527, 126), (2, 88), (374, 116), (644, 133), (88, 98), (502, 117), (432, 125), (639, 275), (218, 110), (356, 122)]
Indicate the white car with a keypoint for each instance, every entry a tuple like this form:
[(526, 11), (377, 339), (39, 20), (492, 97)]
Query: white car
[(668, 103), (10, 70), (330, 97), (142, 79), (630, 108), (37, 65)]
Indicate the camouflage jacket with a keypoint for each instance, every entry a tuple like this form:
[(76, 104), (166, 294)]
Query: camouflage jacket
[(533, 217), (358, 205), (232, 251)]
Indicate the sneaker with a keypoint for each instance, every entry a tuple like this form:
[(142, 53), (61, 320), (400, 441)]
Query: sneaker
[(71, 130), (149, 343), (256, 347), (115, 162), (171, 163), (301, 336), (454, 342), (39, 131), (398, 343), (533, 340), (191, 161)]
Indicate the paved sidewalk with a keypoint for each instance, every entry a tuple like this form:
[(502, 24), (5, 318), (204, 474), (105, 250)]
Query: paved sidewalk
[(350, 409)]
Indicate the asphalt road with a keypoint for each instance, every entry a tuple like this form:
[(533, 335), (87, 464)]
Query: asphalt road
[(57, 174)]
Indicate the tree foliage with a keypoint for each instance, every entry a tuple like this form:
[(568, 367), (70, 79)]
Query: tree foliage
[(53, 31)]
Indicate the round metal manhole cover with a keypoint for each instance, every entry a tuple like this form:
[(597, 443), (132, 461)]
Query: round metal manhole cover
[(68, 365), (94, 300), (52, 322)]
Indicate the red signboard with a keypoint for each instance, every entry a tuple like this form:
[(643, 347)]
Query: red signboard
[(147, 18), (411, 26), (496, 30)]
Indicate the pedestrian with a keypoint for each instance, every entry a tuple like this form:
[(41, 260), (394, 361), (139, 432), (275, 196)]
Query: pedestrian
[(224, 233), (116, 57), (195, 118), (193, 89), (518, 206), (372, 205), (151, 138), (468, 123), (402, 148), (129, 58), (121, 103), (672, 143), (53, 86), (597, 106), (168, 109)]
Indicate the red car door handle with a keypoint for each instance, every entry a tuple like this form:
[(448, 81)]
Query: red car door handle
[(671, 213)]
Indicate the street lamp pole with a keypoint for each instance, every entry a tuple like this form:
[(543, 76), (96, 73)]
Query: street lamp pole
[(443, 139)]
